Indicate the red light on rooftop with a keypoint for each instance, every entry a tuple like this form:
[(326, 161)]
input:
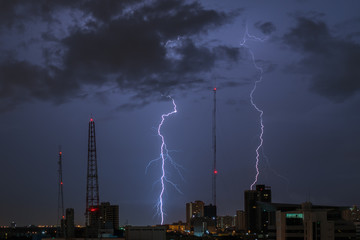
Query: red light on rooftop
[(61, 183), (91, 120), (63, 217), (60, 153), (215, 171), (214, 88)]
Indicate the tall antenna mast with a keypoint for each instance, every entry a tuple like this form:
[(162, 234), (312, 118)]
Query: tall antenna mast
[(92, 212), (61, 212), (214, 148)]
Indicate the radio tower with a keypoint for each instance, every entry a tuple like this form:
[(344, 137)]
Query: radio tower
[(214, 148), (61, 213), (92, 212)]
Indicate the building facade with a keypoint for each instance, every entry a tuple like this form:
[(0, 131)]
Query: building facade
[(226, 222), (193, 210), (69, 223), (240, 221), (145, 233), (255, 219), (315, 223), (109, 215)]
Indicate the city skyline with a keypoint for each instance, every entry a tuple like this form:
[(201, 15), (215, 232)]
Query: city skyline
[(65, 61)]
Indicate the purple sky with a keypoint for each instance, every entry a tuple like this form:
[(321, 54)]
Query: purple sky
[(62, 61)]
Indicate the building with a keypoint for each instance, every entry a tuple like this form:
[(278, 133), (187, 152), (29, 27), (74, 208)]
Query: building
[(69, 223), (145, 233), (240, 220), (202, 226), (210, 211), (315, 223), (282, 221), (226, 222), (109, 216), (211, 216), (176, 227), (255, 219), (193, 209)]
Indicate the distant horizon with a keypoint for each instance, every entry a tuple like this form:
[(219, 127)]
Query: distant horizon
[(184, 221)]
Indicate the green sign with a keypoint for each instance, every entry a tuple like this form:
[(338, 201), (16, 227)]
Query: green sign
[(294, 215)]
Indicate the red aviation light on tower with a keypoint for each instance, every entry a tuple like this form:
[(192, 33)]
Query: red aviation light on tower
[(215, 171), (93, 209), (91, 119), (214, 88)]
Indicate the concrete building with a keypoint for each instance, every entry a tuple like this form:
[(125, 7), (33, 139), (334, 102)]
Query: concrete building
[(226, 222), (176, 227), (109, 216), (210, 214), (145, 233), (315, 223), (210, 211), (306, 221), (69, 223), (203, 226), (193, 209), (200, 219), (240, 220), (255, 219)]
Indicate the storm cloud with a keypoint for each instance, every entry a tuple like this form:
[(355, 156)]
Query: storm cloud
[(331, 62), (265, 27), (123, 43)]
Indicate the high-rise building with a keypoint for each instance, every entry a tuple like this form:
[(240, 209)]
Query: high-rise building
[(255, 219), (194, 209), (211, 216), (69, 222), (210, 212), (109, 215), (226, 222), (240, 220)]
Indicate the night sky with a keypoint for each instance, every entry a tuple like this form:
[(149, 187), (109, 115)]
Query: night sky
[(63, 61)]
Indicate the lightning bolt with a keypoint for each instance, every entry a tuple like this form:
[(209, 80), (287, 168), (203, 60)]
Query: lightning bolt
[(164, 158), (246, 37)]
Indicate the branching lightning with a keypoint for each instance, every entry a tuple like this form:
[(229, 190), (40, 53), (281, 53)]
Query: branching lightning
[(275, 172), (165, 158), (246, 37)]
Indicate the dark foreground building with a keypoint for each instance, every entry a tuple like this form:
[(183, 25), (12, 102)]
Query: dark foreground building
[(281, 221), (255, 219)]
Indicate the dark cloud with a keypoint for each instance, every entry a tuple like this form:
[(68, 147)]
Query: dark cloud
[(106, 10), (265, 27), (7, 13), (131, 106), (22, 82), (231, 84), (16, 13), (124, 42), (267, 66), (331, 62)]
